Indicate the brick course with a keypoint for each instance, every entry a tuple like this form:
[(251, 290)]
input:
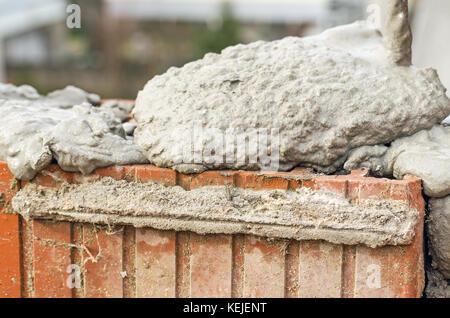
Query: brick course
[(152, 263)]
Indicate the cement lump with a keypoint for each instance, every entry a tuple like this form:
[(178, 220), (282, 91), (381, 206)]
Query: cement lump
[(425, 154), (301, 214), (369, 158), (437, 285), (438, 226), (326, 94), (65, 126)]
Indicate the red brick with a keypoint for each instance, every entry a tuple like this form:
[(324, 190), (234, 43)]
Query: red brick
[(237, 271), (10, 278), (149, 173), (294, 184), (348, 271), (190, 265), (211, 265), (184, 181), (52, 257), (115, 172), (320, 270), (415, 198), (246, 179), (353, 189), (52, 176), (398, 190), (264, 264), (79, 178), (371, 188), (212, 178), (310, 184), (335, 185), (155, 263), (272, 181), (129, 262), (103, 275), (129, 173), (292, 268), (183, 270), (257, 180), (391, 271)]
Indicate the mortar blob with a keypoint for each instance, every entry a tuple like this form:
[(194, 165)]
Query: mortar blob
[(325, 95), (65, 126)]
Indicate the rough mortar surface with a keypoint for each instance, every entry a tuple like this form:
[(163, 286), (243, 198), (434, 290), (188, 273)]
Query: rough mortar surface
[(425, 155), (438, 229), (300, 214), (65, 126), (326, 94)]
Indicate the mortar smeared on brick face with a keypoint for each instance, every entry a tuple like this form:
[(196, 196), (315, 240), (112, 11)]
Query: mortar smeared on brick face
[(326, 95), (64, 125), (301, 214)]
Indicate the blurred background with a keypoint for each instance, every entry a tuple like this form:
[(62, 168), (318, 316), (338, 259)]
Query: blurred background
[(121, 44)]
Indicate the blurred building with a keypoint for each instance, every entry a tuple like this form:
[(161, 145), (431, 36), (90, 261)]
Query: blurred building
[(30, 31), (248, 11), (124, 43)]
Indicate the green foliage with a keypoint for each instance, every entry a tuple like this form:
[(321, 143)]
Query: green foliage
[(216, 39)]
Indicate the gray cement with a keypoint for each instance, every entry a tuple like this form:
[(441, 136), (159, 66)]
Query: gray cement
[(425, 154), (437, 285), (438, 226), (438, 229), (327, 94), (301, 214), (65, 126)]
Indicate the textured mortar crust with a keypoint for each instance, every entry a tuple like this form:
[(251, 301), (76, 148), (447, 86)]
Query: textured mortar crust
[(326, 94), (66, 126), (438, 225), (300, 214), (425, 155)]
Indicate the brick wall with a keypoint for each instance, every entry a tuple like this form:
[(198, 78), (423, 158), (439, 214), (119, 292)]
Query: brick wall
[(128, 262)]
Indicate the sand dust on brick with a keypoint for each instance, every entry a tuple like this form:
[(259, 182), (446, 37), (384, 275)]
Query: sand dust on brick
[(300, 214)]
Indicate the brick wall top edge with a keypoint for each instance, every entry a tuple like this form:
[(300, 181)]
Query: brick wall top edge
[(355, 186), (53, 175)]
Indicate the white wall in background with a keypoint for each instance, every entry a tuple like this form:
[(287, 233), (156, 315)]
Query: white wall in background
[(431, 42)]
